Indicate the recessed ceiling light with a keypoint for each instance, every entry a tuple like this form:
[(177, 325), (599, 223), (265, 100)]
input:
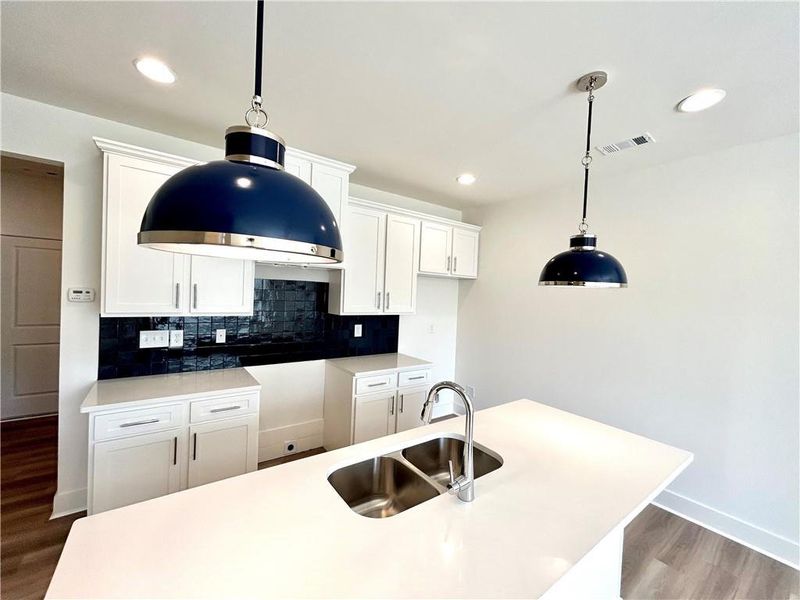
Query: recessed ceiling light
[(466, 179), (701, 100), (154, 69)]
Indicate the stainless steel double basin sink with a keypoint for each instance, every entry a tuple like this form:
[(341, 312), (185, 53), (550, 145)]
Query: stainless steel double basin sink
[(386, 485)]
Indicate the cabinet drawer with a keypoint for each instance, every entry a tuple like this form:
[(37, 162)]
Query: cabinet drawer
[(222, 408), (134, 422), (376, 383), (419, 377)]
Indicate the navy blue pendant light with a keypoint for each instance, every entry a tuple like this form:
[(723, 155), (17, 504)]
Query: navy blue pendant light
[(583, 265), (246, 206)]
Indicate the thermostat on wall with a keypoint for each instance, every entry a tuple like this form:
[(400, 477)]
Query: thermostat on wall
[(80, 294)]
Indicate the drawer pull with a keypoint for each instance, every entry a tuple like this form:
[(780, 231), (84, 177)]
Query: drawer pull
[(175, 450), (417, 377), (376, 384), (137, 423), (194, 447), (218, 410)]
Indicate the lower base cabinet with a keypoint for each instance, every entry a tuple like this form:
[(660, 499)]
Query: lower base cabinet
[(137, 468), (377, 415), (150, 451), (222, 449)]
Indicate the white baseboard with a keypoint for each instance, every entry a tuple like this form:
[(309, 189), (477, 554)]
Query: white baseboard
[(307, 435), (67, 503), (766, 542)]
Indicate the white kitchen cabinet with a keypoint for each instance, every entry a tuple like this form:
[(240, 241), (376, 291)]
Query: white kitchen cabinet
[(409, 408), (151, 436), (449, 250), (221, 286), (137, 468), (140, 281), (222, 449), (380, 275), (374, 416), (370, 397)]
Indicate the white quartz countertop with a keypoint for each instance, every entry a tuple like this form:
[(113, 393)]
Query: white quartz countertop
[(133, 391), (565, 483), (376, 364)]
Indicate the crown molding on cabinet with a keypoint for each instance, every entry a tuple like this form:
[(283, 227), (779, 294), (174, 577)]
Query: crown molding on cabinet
[(411, 213)]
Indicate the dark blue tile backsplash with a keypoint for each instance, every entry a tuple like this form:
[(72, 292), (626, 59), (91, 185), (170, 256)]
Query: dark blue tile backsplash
[(290, 323)]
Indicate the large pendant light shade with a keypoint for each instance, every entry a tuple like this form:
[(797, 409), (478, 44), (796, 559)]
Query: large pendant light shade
[(583, 265), (246, 206)]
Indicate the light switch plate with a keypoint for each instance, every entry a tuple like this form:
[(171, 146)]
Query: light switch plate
[(220, 336), (176, 338), (154, 339), (357, 330)]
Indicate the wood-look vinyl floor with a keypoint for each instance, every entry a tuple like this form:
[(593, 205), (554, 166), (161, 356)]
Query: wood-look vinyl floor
[(665, 557)]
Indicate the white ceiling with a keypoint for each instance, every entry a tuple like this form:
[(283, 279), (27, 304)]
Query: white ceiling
[(415, 93)]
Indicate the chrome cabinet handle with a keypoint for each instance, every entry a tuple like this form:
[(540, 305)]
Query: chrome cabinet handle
[(417, 377), (391, 408), (455, 264), (177, 295), (376, 384), (194, 289), (387, 300), (194, 448), (448, 264), (378, 301), (175, 450), (137, 423), (402, 397), (218, 410)]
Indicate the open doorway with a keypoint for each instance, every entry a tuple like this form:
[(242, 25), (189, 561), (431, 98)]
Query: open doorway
[(30, 300)]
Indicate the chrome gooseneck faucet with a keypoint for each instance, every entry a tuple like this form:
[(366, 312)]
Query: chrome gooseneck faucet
[(464, 484)]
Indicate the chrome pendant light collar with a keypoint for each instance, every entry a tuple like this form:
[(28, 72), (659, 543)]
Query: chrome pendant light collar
[(246, 206), (583, 265)]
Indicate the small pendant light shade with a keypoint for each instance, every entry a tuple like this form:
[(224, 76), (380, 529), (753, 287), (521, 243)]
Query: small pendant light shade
[(583, 265), (246, 206)]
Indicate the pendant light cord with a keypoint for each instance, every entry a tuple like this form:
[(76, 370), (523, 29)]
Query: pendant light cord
[(587, 158), (259, 46)]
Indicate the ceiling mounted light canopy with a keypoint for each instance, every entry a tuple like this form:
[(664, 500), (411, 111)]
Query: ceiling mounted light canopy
[(246, 206), (583, 265)]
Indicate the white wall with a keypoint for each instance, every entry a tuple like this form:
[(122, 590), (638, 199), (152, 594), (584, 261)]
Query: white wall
[(701, 351), (33, 129)]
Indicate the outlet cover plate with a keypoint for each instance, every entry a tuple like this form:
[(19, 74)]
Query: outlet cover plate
[(154, 339), (219, 336), (357, 331), (176, 338)]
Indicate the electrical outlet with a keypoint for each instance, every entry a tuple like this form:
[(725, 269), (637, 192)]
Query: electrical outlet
[(153, 339), (176, 338), (220, 336), (357, 330), (289, 447), (431, 328)]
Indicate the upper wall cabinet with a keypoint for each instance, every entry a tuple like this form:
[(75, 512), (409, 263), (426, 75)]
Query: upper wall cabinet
[(330, 179), (449, 250), (143, 282), (381, 254)]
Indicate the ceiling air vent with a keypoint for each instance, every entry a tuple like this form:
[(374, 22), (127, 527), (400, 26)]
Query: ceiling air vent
[(645, 138)]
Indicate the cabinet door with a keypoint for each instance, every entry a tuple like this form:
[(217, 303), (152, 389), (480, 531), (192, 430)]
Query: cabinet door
[(374, 417), (402, 256), (222, 449), (332, 184), (409, 408), (299, 167), (138, 468), (136, 280), (365, 253), (221, 286), (435, 246), (465, 253)]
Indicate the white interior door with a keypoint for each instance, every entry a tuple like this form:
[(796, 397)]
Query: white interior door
[(365, 253), (374, 417), (402, 256), (409, 408), (31, 307), (222, 449), (435, 247), (137, 468), (465, 252), (221, 286), (137, 280)]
